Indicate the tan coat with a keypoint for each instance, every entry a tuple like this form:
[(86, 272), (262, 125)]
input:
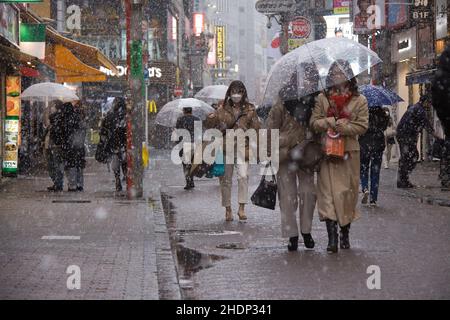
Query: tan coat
[(225, 118), (338, 181), (290, 131)]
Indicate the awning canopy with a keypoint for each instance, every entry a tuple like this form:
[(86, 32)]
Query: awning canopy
[(69, 68), (86, 53), (15, 55), (419, 77)]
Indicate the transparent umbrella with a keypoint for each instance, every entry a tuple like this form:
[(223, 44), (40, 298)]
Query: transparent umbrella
[(212, 94), (291, 77), (48, 91), (170, 112)]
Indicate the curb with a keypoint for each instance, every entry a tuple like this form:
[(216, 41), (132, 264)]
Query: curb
[(168, 284)]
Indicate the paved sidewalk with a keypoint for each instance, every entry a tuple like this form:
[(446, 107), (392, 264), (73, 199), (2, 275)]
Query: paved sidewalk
[(405, 237), (120, 246)]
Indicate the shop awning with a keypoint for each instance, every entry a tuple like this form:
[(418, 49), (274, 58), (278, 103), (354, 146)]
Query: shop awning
[(86, 53), (15, 55), (419, 77), (69, 68)]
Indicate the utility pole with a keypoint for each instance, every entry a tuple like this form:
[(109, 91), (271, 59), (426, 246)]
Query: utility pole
[(135, 105)]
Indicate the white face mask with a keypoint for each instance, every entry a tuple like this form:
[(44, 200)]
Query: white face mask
[(236, 98)]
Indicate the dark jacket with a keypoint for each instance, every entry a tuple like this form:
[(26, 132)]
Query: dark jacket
[(373, 140), (413, 122), (187, 122), (441, 91), (113, 132), (76, 140)]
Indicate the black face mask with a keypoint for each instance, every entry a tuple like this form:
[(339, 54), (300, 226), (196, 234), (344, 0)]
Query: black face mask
[(300, 110)]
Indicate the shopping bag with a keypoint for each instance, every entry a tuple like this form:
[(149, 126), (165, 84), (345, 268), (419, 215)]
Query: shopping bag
[(334, 145), (265, 195), (218, 168)]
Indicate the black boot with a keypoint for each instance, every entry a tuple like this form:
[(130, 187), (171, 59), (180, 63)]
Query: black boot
[(293, 243), (343, 237), (308, 240), (332, 236), (118, 184)]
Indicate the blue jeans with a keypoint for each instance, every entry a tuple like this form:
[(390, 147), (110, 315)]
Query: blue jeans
[(371, 162)]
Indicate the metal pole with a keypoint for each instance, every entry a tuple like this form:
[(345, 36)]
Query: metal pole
[(136, 108)]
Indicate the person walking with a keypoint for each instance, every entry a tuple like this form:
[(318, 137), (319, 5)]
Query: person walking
[(187, 122), (76, 162), (389, 135), (113, 133), (236, 112), (413, 122), (441, 97), (52, 147), (372, 144), (342, 109), (296, 187)]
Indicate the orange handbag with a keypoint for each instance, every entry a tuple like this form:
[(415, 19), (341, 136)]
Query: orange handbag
[(334, 145)]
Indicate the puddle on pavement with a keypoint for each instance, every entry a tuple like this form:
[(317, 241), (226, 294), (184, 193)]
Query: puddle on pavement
[(189, 261)]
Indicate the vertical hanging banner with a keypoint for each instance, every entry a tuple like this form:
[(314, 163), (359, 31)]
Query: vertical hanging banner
[(32, 39), (341, 6), (220, 46), (11, 125)]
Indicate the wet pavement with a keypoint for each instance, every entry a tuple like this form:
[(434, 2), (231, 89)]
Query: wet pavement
[(121, 247), (406, 237)]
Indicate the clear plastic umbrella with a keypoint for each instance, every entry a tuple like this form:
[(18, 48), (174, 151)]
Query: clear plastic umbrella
[(212, 94), (170, 112), (291, 75), (48, 91)]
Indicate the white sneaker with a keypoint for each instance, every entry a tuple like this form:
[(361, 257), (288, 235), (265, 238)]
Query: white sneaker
[(386, 166)]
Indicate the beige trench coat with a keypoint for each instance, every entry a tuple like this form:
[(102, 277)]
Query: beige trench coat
[(338, 180)]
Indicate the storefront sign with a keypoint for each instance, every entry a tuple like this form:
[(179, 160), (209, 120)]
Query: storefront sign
[(11, 145), (159, 72), (151, 105), (441, 19), (9, 23), (421, 11), (275, 6), (403, 45), (425, 48), (220, 46), (301, 28), (397, 13), (368, 15), (198, 23), (32, 39), (13, 96), (341, 6)]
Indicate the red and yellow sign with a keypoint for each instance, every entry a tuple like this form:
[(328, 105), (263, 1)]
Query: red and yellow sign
[(12, 96)]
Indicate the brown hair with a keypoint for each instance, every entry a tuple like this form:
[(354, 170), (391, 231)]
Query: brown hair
[(344, 67), (236, 85)]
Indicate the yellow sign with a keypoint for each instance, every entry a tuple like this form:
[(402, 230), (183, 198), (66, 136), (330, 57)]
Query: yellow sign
[(295, 43), (145, 156), (220, 46), (151, 106)]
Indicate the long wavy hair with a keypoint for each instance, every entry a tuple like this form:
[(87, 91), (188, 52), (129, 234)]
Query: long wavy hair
[(241, 87), (345, 67)]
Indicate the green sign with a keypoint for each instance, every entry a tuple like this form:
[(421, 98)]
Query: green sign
[(20, 1), (136, 60)]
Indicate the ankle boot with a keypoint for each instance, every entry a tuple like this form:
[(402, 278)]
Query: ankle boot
[(332, 236), (293, 244), (344, 237), (308, 240), (228, 214), (118, 184), (241, 212)]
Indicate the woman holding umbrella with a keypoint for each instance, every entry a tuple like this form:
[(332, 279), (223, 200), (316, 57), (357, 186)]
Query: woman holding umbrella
[(343, 110), (235, 113), (296, 189)]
